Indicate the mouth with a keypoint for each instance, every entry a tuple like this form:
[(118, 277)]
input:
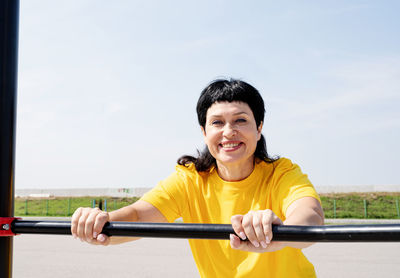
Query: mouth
[(230, 146)]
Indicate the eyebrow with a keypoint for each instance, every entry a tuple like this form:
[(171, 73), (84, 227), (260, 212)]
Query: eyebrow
[(235, 114)]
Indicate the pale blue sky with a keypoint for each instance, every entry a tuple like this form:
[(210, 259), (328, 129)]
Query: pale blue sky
[(107, 89)]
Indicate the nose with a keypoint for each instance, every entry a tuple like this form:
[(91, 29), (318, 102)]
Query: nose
[(229, 131)]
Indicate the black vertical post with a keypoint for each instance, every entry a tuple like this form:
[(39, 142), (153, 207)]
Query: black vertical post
[(9, 16)]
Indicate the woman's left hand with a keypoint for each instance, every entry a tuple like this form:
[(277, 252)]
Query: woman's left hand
[(256, 226)]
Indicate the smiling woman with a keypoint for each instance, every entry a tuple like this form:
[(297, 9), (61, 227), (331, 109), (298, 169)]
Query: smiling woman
[(232, 181), (231, 135), (245, 100)]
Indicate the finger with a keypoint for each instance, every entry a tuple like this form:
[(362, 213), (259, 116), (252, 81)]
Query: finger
[(234, 241), (101, 219), (236, 221), (259, 228), (89, 223), (267, 226), (277, 220), (247, 224), (74, 221), (81, 223), (238, 244), (247, 246), (103, 239), (270, 218)]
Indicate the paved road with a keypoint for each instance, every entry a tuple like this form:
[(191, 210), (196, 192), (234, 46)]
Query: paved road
[(47, 256)]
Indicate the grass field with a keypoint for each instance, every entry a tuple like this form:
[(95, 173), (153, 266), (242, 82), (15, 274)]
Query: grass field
[(66, 206), (362, 205), (352, 205)]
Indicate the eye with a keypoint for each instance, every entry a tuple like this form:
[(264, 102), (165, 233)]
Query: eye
[(216, 122), (241, 120)]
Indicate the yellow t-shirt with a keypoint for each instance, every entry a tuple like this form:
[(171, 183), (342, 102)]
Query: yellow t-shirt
[(203, 197)]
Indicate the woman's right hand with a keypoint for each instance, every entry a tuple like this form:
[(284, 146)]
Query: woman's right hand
[(87, 224)]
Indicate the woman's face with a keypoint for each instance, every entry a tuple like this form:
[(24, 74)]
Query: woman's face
[(231, 133)]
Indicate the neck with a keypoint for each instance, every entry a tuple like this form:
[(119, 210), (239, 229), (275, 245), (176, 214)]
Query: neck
[(235, 172)]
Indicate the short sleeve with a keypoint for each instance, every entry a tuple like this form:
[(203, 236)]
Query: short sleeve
[(291, 184), (170, 195)]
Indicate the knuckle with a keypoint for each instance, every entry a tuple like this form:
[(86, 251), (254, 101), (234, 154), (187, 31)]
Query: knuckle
[(235, 217), (236, 222), (77, 212), (81, 222), (256, 218), (85, 210), (268, 212), (89, 222), (103, 216), (246, 223)]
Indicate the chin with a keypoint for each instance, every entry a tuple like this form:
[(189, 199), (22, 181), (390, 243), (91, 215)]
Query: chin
[(230, 160)]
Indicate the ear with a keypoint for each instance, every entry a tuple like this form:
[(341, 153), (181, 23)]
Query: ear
[(259, 130)]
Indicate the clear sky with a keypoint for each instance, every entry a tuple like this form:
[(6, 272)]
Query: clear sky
[(108, 89)]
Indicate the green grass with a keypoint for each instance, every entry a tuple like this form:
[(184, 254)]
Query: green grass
[(379, 205), (65, 206)]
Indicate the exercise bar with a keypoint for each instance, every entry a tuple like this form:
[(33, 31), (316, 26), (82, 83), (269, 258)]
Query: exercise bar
[(334, 233), (9, 21)]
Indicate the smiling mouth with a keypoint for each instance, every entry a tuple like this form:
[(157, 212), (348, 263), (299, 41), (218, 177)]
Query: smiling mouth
[(230, 146)]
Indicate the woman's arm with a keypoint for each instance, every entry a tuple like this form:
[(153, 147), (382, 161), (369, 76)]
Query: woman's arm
[(306, 211), (256, 226), (87, 223)]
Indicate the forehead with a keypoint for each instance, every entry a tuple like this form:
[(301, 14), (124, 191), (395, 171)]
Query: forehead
[(228, 108)]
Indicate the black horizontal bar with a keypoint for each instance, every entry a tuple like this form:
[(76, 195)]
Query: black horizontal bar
[(337, 233)]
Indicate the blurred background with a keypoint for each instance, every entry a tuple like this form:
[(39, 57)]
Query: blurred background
[(108, 89)]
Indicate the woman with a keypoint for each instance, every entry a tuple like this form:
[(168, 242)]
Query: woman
[(232, 181)]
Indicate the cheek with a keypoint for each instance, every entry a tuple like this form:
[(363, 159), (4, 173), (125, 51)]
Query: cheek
[(251, 133), (210, 138)]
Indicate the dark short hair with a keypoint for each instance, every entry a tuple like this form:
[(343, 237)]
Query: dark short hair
[(228, 90)]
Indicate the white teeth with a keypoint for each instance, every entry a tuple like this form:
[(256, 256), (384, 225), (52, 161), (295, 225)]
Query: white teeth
[(231, 145)]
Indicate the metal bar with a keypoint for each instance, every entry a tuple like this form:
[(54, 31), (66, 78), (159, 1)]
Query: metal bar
[(9, 16), (338, 233)]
